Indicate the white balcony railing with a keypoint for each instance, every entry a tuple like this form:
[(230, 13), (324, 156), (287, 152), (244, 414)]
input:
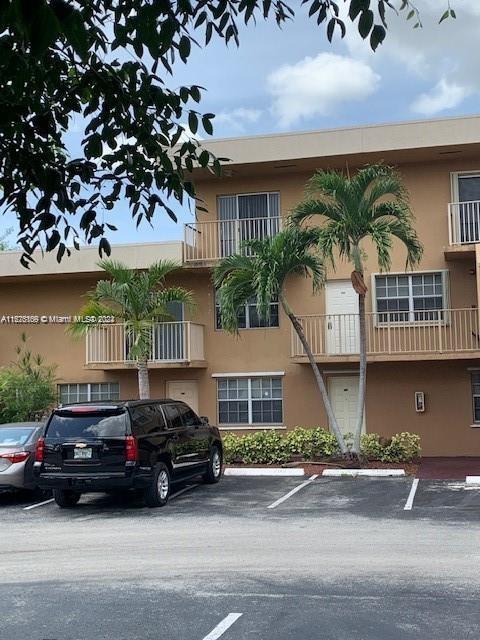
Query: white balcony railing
[(432, 332), (172, 342), (216, 239), (464, 222)]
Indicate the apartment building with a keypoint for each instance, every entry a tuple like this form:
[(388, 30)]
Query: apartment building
[(423, 326)]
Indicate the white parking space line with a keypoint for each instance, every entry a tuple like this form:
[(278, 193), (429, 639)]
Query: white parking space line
[(225, 624), (187, 488), (292, 492), (411, 496), (39, 504)]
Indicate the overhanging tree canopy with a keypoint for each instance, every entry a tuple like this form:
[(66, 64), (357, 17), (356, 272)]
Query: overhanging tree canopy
[(107, 60)]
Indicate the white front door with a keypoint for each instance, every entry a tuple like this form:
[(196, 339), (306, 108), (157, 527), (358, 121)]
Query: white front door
[(184, 390), (342, 325), (343, 392)]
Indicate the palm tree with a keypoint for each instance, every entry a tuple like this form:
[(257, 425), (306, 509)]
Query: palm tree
[(373, 204), (238, 278), (140, 300)]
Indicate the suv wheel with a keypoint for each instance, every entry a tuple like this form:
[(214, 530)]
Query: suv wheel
[(214, 470), (158, 492), (65, 498)]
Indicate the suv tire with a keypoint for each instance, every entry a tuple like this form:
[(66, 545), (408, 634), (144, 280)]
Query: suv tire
[(214, 470), (65, 499), (157, 494)]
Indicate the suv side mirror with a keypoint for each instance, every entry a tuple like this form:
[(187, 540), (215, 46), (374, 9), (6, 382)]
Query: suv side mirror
[(204, 420)]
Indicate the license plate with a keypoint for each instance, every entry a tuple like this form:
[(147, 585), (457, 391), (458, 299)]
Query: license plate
[(82, 454)]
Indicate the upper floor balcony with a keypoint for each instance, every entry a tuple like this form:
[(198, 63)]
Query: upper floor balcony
[(435, 334), (173, 344), (208, 242), (464, 222)]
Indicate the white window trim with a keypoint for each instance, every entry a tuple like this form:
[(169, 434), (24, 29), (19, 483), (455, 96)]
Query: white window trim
[(454, 175), (89, 388), (257, 427), (250, 424), (475, 423), (446, 296), (252, 193), (250, 374)]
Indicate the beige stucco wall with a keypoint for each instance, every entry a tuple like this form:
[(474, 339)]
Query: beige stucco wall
[(444, 427)]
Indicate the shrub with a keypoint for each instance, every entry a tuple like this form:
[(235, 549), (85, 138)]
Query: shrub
[(403, 447), (27, 387), (262, 447), (371, 446), (269, 447), (311, 443), (232, 448)]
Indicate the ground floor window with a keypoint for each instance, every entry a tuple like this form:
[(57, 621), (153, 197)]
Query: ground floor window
[(476, 396), (86, 391), (250, 401)]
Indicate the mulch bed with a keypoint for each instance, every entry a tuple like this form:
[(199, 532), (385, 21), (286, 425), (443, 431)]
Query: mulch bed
[(312, 468)]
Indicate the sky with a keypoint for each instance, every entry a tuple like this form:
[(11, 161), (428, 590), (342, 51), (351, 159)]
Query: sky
[(293, 79)]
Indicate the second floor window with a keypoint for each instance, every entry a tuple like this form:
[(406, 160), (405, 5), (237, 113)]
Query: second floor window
[(248, 317), (412, 297)]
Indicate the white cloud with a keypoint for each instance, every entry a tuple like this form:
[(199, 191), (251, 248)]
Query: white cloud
[(438, 55), (237, 118), (316, 86), (444, 95)]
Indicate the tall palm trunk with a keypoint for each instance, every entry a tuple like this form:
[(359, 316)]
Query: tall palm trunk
[(143, 380), (318, 376), (362, 375)]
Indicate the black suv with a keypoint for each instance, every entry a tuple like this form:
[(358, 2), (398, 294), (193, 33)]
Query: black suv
[(139, 444)]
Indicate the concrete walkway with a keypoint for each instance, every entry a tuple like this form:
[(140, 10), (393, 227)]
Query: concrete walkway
[(448, 468)]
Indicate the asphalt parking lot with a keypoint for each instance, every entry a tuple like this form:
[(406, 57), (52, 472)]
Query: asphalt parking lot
[(263, 558)]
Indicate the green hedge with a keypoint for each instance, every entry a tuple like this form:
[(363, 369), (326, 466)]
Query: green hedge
[(269, 447)]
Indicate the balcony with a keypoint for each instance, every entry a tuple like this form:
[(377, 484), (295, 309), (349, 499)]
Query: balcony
[(464, 222), (430, 335), (208, 242), (174, 344)]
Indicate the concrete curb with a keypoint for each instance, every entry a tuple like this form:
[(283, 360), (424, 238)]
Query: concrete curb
[(373, 473), (472, 480), (262, 471)]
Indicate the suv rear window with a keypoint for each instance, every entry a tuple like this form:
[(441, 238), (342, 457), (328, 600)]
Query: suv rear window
[(94, 425)]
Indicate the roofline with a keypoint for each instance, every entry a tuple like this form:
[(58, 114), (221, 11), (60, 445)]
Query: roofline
[(362, 142), (85, 260), (357, 127)]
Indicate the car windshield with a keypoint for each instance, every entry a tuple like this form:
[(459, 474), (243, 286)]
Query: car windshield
[(15, 436), (94, 425)]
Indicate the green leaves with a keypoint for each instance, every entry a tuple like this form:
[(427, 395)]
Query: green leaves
[(76, 33), (449, 13), (372, 204), (60, 58), (365, 23), (377, 36)]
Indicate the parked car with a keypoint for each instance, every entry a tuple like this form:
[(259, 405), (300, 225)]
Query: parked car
[(140, 444), (18, 441)]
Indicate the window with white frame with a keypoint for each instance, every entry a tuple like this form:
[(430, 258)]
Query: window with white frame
[(476, 396), (86, 391), (412, 297), (250, 401), (248, 317)]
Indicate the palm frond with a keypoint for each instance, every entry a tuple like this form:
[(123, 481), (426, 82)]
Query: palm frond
[(373, 203), (238, 278)]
